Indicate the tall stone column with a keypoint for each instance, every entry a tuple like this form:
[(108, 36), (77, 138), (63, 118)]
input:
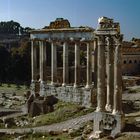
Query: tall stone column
[(42, 67), (53, 64), (77, 65), (101, 75), (110, 74), (117, 108), (95, 62), (89, 72), (65, 64), (33, 62), (42, 60)]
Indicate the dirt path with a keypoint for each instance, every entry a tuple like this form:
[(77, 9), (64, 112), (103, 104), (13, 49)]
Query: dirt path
[(58, 127)]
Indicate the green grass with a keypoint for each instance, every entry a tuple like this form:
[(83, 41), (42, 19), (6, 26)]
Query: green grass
[(128, 137), (38, 136), (12, 88), (63, 111)]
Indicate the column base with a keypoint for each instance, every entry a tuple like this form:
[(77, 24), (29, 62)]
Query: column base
[(117, 112), (53, 84), (108, 107), (88, 86), (75, 86), (64, 85), (32, 81), (96, 135), (98, 109)]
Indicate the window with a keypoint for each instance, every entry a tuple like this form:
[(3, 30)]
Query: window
[(124, 61), (130, 61), (135, 61)]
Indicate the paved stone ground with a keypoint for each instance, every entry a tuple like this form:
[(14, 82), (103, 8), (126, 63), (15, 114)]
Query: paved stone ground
[(131, 96), (58, 127)]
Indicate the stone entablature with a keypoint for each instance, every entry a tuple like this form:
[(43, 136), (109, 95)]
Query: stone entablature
[(65, 34)]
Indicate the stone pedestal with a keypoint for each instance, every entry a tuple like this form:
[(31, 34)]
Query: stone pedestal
[(107, 124)]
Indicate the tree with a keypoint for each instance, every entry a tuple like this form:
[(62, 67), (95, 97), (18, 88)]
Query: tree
[(4, 63), (21, 62)]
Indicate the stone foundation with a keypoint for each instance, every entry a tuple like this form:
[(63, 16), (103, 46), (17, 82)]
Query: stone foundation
[(79, 95), (107, 124)]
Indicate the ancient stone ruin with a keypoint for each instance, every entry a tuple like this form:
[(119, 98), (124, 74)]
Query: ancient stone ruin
[(105, 44), (108, 118), (70, 88)]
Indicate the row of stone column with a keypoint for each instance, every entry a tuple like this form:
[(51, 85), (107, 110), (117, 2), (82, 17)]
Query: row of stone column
[(42, 48), (113, 81)]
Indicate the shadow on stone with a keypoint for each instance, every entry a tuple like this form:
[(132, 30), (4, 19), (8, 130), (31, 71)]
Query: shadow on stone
[(37, 105), (131, 128)]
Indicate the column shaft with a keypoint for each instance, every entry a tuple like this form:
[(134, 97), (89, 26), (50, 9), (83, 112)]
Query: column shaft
[(65, 64), (33, 61), (95, 62), (101, 75), (77, 65), (110, 74), (42, 60), (53, 64), (89, 72), (117, 108)]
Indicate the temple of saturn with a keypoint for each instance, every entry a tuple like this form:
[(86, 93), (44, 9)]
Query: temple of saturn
[(105, 44)]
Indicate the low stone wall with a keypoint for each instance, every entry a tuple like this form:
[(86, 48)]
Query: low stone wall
[(79, 95)]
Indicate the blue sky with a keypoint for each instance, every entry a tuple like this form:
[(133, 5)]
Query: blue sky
[(38, 13)]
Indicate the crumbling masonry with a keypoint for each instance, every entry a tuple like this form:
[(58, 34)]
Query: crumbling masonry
[(107, 41), (108, 117)]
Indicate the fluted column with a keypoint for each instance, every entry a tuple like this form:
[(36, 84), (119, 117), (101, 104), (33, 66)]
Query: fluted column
[(77, 65), (117, 108), (33, 61), (110, 74), (101, 75), (65, 64), (89, 72), (53, 64)]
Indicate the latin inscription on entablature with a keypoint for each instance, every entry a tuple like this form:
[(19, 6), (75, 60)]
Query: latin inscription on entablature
[(88, 36), (106, 32)]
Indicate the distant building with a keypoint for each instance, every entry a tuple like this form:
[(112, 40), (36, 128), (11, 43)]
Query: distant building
[(131, 60)]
